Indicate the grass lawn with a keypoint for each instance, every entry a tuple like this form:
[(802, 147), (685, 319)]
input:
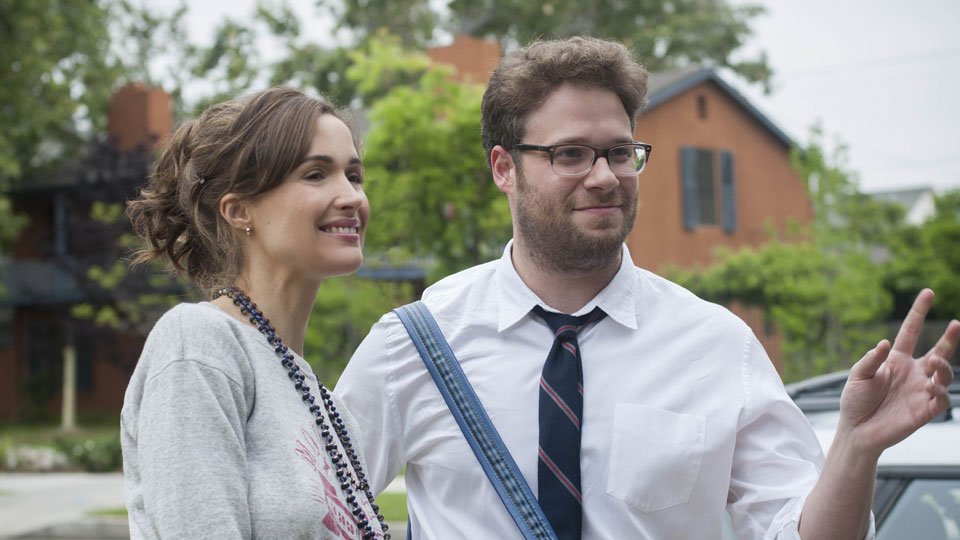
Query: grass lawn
[(108, 512), (393, 506)]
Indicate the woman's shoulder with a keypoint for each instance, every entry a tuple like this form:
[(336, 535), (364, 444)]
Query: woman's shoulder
[(189, 320), (199, 332)]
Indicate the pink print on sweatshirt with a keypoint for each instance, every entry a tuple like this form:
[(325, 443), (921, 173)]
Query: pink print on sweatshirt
[(338, 519)]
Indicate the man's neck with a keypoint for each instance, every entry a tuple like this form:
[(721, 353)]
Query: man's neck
[(564, 291)]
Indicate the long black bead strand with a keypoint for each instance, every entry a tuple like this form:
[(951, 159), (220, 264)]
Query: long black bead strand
[(345, 475)]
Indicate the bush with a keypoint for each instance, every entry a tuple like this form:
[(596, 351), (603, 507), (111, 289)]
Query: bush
[(92, 454), (32, 458)]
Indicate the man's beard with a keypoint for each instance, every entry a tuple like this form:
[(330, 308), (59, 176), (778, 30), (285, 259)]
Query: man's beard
[(557, 244)]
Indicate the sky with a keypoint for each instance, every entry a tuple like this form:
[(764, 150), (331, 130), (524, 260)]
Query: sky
[(879, 76)]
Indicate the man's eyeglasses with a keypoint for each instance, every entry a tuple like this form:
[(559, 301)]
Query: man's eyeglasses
[(626, 159)]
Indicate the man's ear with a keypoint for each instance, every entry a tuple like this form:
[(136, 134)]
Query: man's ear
[(504, 169), (234, 210)]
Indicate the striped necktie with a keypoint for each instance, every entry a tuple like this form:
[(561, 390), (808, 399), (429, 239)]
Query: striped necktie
[(561, 411)]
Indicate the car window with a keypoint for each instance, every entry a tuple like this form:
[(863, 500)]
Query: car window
[(928, 509), (727, 532)]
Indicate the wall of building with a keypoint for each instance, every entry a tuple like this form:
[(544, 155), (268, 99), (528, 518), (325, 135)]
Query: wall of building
[(474, 58), (8, 385), (32, 386), (767, 189)]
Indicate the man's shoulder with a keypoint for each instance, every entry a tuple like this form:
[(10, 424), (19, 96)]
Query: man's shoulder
[(680, 302), (462, 283)]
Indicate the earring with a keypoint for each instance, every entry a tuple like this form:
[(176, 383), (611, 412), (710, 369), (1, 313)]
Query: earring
[(248, 231)]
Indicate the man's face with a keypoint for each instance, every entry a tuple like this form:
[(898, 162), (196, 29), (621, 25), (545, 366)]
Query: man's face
[(574, 223)]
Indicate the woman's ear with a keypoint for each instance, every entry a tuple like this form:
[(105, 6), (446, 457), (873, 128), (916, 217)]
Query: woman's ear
[(234, 210), (504, 169)]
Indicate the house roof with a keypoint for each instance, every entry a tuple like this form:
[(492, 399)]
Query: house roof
[(665, 85), (907, 197)]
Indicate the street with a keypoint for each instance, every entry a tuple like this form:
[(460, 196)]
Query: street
[(58, 505)]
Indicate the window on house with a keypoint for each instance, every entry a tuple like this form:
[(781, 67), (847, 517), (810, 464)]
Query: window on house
[(708, 187), (702, 107)]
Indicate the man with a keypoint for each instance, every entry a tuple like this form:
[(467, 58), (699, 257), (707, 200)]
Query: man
[(681, 413)]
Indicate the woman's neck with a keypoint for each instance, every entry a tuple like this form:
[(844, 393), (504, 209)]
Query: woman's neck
[(286, 301)]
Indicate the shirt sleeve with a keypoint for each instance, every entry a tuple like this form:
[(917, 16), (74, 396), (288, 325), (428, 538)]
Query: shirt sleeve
[(368, 389), (191, 454), (777, 459)]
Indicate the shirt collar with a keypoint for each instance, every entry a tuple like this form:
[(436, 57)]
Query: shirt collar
[(617, 299)]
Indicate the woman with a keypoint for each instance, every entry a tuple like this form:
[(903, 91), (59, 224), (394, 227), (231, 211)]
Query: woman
[(226, 432)]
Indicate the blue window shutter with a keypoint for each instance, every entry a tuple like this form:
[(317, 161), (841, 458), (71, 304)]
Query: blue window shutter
[(688, 178), (729, 191)]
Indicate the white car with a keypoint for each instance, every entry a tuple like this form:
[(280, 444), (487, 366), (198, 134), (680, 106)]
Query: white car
[(917, 495)]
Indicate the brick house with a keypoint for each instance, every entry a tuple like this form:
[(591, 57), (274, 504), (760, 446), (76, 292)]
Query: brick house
[(719, 175), (45, 274)]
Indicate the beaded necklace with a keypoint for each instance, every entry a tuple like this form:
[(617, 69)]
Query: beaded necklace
[(348, 483)]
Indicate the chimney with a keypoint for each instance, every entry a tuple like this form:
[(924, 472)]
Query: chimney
[(474, 58), (138, 117)]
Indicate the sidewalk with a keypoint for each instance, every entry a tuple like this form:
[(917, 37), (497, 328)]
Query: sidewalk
[(57, 506), (41, 504)]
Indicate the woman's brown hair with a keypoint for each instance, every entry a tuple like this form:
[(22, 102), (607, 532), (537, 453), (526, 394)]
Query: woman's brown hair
[(245, 146)]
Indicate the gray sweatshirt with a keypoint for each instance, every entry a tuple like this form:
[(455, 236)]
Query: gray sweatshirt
[(217, 443)]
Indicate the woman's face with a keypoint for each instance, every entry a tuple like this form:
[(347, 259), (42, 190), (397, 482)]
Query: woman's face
[(312, 225)]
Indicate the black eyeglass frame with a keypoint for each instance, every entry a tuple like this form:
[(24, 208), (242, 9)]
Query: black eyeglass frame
[(597, 153)]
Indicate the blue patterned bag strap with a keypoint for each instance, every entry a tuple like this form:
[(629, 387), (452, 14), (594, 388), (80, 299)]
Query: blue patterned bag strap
[(476, 426)]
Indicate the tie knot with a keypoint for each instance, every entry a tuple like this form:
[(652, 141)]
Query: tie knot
[(565, 327)]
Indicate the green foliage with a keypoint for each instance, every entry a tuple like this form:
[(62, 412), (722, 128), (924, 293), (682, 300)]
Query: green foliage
[(92, 454), (10, 223), (429, 185), (230, 64), (664, 34), (129, 300), (414, 20), (345, 309), (927, 256), (826, 305), (844, 218), (57, 75), (33, 448), (383, 64)]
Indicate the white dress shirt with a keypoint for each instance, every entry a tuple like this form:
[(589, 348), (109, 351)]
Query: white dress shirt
[(684, 415)]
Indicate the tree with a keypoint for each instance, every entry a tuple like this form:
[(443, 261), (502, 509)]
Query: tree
[(58, 74), (926, 255), (345, 309), (664, 35), (59, 64), (429, 185)]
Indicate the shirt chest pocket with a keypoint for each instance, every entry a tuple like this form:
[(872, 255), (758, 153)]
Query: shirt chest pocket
[(655, 456)]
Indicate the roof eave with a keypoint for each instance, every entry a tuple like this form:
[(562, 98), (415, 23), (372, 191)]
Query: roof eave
[(708, 74)]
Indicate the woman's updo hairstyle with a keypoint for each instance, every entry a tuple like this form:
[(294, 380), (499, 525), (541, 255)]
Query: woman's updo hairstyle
[(245, 146)]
